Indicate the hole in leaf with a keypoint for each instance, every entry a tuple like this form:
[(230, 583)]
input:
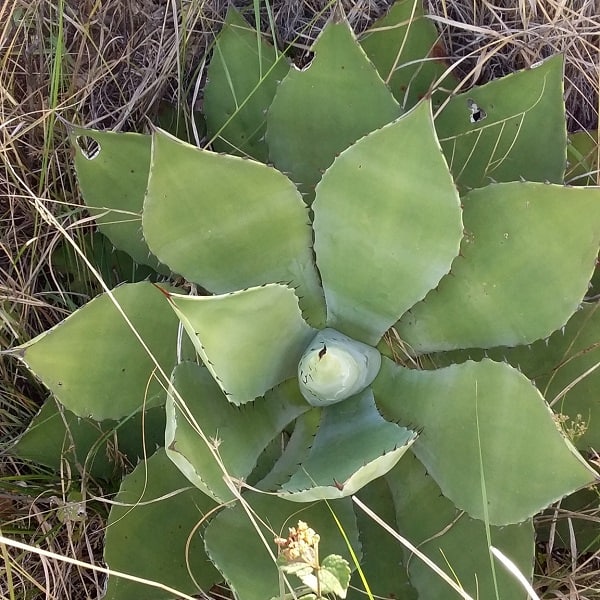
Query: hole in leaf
[(89, 147), (477, 113)]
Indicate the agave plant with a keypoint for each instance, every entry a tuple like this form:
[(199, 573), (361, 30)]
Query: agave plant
[(324, 289)]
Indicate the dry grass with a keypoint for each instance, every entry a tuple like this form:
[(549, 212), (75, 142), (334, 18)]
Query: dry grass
[(108, 64)]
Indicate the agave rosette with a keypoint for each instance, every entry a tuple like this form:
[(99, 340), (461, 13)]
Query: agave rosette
[(298, 391)]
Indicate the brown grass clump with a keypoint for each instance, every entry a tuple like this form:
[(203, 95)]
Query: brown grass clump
[(108, 65)]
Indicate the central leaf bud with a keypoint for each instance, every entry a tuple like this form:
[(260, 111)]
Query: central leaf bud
[(335, 367)]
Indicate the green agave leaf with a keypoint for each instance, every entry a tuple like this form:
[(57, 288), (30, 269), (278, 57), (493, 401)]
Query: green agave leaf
[(476, 421), (250, 340), (296, 451), (229, 223), (93, 363), (179, 121), (353, 446), (563, 367), (101, 449), (234, 545), (336, 100), (457, 544), (523, 242), (387, 226), (583, 158), (112, 171), (405, 48), (383, 556), (509, 129), (153, 532), (238, 435), (242, 79), (56, 435), (114, 266)]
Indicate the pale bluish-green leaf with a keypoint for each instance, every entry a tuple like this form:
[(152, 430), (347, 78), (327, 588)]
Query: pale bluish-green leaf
[(229, 223), (100, 449), (405, 48), (112, 171), (353, 446), (197, 409), (95, 365), (234, 545), (241, 81), (527, 256), (564, 368), (153, 533), (476, 441), (322, 109), (295, 452), (250, 340), (387, 226), (457, 544), (508, 129)]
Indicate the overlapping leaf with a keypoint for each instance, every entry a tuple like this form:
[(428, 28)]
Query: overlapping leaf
[(387, 226), (241, 82), (476, 421), (523, 242), (319, 111), (93, 362), (210, 440), (250, 340), (510, 129), (228, 223), (158, 509)]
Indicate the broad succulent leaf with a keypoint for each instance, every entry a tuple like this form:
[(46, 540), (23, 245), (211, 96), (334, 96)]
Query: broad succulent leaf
[(509, 129), (113, 179), (100, 449), (54, 436), (114, 266), (457, 544), (405, 48), (296, 451), (476, 421), (187, 125), (583, 158), (238, 551), (158, 509), (383, 556), (353, 446), (229, 223), (387, 226), (527, 256), (249, 340), (94, 364), (241, 82), (563, 367), (336, 99), (238, 435)]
